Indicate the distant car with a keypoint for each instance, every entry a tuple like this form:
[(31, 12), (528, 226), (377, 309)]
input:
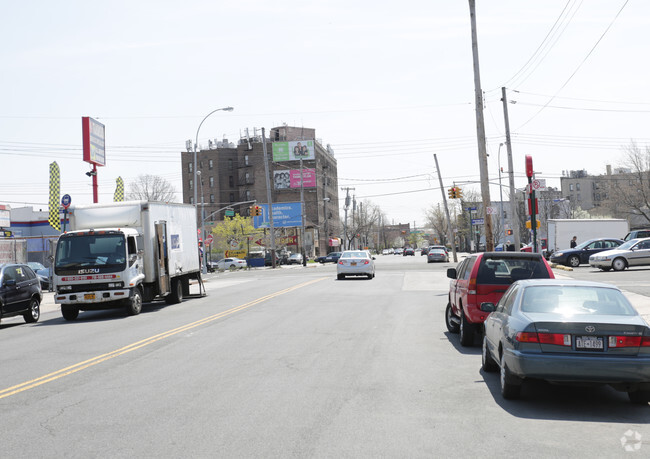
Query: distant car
[(409, 252), (332, 257), (483, 277), (295, 259), (355, 263), (231, 263), (442, 247), (567, 331), (20, 292), (385, 252), (424, 250), (437, 255), (43, 273), (635, 252), (581, 253), (268, 261), (398, 251)]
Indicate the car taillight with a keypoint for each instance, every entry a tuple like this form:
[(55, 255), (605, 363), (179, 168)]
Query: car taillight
[(527, 337), (472, 286), (645, 341), (558, 339), (628, 341), (366, 262), (341, 262)]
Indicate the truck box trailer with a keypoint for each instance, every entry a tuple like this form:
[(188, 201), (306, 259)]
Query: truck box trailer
[(561, 231), (124, 254)]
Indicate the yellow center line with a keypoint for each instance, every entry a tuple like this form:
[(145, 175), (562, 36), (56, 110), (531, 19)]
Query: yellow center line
[(142, 343)]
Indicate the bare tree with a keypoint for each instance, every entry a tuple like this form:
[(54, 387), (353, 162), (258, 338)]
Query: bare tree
[(437, 220), (151, 188)]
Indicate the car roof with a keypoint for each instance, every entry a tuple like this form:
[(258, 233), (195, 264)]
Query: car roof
[(564, 283), (501, 255)]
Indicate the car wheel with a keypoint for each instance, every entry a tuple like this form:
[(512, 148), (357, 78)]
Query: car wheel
[(466, 331), (340, 276), (134, 305), (619, 264), (487, 362), (34, 312), (641, 397), (449, 315), (176, 294), (69, 312), (574, 261), (509, 391), (232, 267)]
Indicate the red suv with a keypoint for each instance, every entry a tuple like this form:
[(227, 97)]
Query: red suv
[(484, 277)]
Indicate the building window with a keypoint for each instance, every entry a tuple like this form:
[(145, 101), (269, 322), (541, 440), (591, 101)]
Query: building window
[(200, 164), (210, 164), (578, 197), (230, 164), (577, 187), (211, 182), (248, 195), (212, 198), (571, 187), (248, 178), (246, 160), (190, 167), (231, 181), (191, 184), (232, 197), (192, 200)]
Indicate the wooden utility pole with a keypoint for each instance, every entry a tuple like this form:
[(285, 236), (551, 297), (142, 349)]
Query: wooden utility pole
[(514, 218), (450, 234), (480, 132)]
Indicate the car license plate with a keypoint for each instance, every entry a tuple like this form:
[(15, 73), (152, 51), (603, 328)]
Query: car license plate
[(89, 296), (589, 343), (354, 263)]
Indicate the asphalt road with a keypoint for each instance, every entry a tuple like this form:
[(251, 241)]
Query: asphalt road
[(289, 363)]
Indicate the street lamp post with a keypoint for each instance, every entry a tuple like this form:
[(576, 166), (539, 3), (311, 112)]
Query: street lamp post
[(204, 266)]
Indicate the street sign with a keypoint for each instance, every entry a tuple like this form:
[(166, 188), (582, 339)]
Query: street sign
[(477, 221), (229, 213), (472, 209), (492, 211), (538, 184), (66, 200), (209, 239)]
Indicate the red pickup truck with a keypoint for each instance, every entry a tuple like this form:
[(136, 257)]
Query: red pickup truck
[(484, 277)]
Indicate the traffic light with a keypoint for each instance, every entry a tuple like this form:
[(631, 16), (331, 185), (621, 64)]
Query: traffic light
[(509, 232), (459, 193), (256, 211), (451, 193)]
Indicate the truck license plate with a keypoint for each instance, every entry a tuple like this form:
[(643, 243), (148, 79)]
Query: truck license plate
[(89, 296), (589, 343)]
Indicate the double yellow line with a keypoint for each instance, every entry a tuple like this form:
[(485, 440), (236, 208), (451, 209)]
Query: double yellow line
[(140, 344)]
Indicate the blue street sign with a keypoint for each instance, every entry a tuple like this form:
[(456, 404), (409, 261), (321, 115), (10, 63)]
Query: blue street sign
[(66, 200), (477, 221)]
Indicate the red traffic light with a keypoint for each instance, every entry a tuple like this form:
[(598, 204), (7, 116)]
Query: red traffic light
[(529, 166)]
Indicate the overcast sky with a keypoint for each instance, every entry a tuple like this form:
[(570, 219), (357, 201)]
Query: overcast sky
[(387, 84)]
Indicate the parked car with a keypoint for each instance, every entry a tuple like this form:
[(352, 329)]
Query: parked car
[(295, 259), (268, 261), (332, 257), (231, 263), (637, 234), (409, 251), (424, 250), (635, 252), (483, 277), (20, 292), (355, 263), (437, 255), (398, 251), (44, 274), (581, 253), (567, 331), (442, 247)]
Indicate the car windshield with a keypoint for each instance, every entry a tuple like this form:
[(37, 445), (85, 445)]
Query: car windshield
[(576, 300), (35, 265), (354, 255), (628, 244), (436, 251)]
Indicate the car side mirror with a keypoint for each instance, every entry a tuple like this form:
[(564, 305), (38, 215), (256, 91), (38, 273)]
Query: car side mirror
[(451, 273), (488, 307), (373, 258)]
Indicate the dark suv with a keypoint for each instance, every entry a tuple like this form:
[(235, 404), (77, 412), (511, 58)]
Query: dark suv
[(484, 277), (20, 292)]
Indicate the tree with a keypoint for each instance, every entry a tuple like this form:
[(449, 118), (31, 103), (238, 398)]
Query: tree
[(365, 223), (151, 188), (233, 233), (437, 220)]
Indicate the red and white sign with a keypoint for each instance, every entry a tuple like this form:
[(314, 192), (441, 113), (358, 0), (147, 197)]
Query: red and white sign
[(209, 239), (94, 139)]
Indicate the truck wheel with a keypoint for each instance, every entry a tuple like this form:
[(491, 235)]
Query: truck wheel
[(176, 294), (449, 315), (34, 311), (134, 305), (466, 331), (619, 264), (69, 312), (574, 261)]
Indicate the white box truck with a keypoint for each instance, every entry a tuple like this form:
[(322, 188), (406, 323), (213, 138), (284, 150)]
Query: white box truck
[(125, 253), (561, 231)]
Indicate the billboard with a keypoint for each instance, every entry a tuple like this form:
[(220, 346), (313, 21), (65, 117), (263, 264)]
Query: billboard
[(93, 134), (293, 151), (285, 215), (290, 178)]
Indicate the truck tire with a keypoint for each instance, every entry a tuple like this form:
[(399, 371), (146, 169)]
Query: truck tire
[(34, 312), (69, 312), (134, 305), (176, 294)]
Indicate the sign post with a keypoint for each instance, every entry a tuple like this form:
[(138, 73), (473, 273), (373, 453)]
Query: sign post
[(65, 203)]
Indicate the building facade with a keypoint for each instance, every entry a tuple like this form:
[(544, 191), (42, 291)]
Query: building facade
[(233, 176)]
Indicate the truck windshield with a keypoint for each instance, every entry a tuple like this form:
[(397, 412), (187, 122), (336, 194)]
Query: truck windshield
[(91, 250)]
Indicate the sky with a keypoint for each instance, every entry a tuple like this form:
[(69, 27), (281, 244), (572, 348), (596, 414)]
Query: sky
[(387, 85)]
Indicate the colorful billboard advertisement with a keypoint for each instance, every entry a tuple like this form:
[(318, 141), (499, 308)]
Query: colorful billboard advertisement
[(93, 133), (285, 215), (293, 151), (284, 180)]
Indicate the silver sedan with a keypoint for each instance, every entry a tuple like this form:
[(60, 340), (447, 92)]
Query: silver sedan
[(635, 252), (567, 332), (355, 263)]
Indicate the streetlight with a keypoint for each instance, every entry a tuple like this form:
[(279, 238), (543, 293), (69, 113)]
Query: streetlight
[(204, 266), (503, 227)]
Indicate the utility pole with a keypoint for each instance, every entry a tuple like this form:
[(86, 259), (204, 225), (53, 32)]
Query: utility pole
[(444, 200), (268, 198), (325, 200), (511, 174), (345, 222), (480, 133)]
